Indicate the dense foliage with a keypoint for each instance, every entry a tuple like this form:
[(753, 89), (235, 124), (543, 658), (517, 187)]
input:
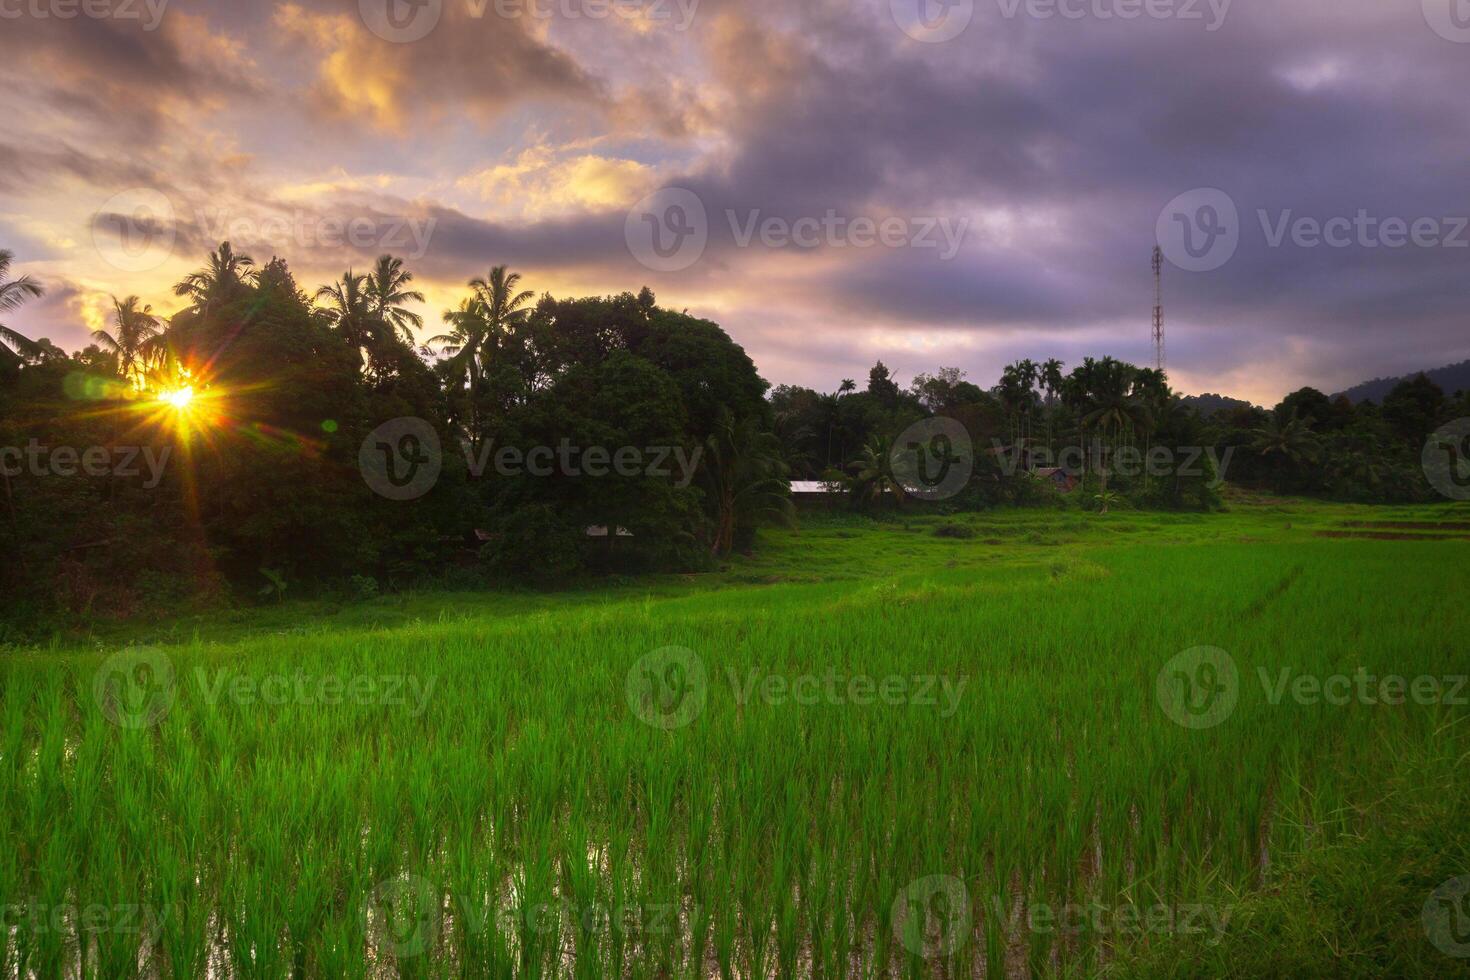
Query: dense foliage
[(250, 481), (219, 451)]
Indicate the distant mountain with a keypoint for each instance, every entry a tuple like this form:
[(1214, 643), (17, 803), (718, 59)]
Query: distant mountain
[(1455, 377), (1208, 405)]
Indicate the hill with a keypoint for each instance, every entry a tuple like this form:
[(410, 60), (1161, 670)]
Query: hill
[(1211, 404), (1452, 378)]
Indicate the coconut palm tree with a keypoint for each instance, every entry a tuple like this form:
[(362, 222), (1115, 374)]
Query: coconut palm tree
[(137, 340), (873, 477), (1291, 438), (226, 272), (745, 477), (847, 387), (504, 306), (464, 345), (387, 285), (351, 310), (14, 292)]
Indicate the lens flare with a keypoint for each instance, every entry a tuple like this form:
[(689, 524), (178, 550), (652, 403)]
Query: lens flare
[(180, 399)]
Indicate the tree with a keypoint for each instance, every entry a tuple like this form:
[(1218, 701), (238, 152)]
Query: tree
[(14, 292), (387, 288), (745, 480), (352, 311), (463, 344), (224, 278), (881, 385), (505, 308), (847, 387), (873, 478), (137, 341)]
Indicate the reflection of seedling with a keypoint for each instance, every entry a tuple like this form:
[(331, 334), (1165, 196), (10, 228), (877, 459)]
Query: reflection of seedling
[(276, 585)]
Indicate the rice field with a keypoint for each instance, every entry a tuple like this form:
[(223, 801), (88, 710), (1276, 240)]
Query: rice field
[(867, 751)]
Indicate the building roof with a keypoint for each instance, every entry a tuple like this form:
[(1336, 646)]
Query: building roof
[(815, 486)]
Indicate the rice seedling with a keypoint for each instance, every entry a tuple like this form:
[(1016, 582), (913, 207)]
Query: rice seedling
[(941, 758)]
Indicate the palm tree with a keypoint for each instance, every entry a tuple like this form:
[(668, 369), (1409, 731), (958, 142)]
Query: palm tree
[(14, 292), (746, 478), (1292, 438), (138, 340), (463, 345), (350, 309), (226, 273), (847, 387), (387, 285), (504, 307), (873, 477), (1112, 408)]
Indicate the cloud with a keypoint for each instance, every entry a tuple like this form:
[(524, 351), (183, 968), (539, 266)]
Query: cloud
[(525, 140)]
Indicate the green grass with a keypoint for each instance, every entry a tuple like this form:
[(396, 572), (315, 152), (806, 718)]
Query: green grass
[(512, 809)]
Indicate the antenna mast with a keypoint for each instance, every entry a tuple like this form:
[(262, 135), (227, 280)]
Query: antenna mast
[(1159, 306)]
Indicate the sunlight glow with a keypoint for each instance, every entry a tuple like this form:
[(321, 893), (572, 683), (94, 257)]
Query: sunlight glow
[(180, 399)]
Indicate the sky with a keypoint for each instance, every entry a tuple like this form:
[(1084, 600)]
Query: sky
[(926, 182)]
